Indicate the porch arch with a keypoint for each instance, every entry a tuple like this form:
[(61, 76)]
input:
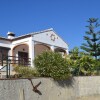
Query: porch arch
[(20, 54), (20, 47), (60, 50)]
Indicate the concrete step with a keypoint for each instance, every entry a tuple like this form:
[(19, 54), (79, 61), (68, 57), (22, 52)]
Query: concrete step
[(3, 74), (3, 71)]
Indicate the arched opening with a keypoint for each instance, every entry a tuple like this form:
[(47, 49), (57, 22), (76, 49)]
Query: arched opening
[(20, 54), (39, 48), (61, 51)]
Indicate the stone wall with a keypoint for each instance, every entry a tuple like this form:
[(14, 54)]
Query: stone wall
[(71, 89)]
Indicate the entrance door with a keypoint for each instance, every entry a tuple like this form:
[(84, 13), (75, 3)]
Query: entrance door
[(23, 58)]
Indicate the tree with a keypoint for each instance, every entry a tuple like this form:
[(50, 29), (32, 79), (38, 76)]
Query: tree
[(92, 45)]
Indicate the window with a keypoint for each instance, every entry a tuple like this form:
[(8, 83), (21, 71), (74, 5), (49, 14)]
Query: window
[(3, 55)]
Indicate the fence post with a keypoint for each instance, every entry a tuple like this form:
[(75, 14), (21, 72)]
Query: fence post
[(7, 69), (2, 60), (9, 61)]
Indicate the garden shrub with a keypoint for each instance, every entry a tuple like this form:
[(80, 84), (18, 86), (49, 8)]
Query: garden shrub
[(52, 64), (83, 64), (86, 65), (26, 72)]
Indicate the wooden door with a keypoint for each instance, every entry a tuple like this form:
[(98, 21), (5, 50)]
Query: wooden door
[(23, 58)]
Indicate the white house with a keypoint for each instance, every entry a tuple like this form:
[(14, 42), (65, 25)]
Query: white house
[(23, 49)]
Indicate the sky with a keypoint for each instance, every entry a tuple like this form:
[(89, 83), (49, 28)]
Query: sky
[(67, 17)]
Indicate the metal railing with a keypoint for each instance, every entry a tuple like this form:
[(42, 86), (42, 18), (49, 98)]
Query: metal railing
[(7, 70), (8, 61), (15, 60)]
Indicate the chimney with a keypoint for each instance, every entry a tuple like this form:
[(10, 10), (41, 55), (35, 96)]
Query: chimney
[(11, 35)]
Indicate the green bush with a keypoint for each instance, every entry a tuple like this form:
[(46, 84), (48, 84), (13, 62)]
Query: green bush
[(83, 64), (25, 72), (51, 64)]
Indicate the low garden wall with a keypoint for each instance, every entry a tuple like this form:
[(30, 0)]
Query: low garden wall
[(75, 88)]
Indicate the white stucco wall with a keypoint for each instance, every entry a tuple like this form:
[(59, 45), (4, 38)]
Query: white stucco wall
[(5, 43), (21, 41), (46, 37)]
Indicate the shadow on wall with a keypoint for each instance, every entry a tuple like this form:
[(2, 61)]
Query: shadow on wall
[(69, 82)]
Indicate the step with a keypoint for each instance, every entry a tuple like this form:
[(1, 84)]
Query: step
[(3, 74)]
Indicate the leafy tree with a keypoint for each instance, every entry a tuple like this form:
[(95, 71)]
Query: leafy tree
[(92, 45)]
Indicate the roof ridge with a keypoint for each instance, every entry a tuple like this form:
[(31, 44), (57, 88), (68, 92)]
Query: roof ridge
[(50, 29)]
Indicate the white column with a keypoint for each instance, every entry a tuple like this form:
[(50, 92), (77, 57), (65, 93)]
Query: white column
[(67, 52), (52, 48), (31, 50), (10, 53)]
